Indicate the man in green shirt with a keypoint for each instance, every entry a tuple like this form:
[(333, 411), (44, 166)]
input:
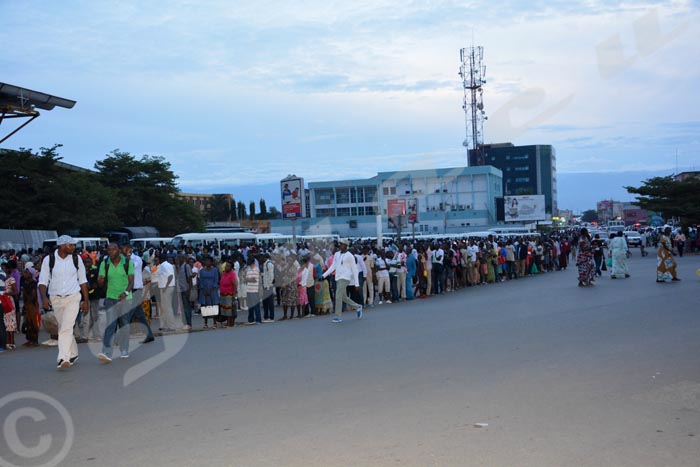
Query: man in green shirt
[(118, 274)]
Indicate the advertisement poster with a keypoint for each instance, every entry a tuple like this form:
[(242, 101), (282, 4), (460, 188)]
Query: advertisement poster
[(396, 208), (524, 208), (292, 198), (412, 210)]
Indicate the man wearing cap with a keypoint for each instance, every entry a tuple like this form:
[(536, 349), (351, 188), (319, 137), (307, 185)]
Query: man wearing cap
[(346, 272), (65, 283)]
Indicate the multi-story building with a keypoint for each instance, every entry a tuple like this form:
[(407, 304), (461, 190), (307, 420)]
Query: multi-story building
[(451, 200), (527, 170)]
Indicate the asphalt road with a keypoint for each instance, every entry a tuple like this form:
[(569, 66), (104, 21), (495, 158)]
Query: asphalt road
[(561, 375)]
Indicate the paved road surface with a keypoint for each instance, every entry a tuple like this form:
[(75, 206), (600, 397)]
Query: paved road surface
[(562, 375)]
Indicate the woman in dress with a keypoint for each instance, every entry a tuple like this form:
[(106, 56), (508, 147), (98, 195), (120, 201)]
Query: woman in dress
[(300, 279), (665, 263), (323, 293), (584, 260), (227, 290), (8, 306), (209, 288), (618, 253), (289, 287)]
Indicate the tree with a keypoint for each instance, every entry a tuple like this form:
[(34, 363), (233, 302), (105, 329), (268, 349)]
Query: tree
[(234, 210), (251, 210), (42, 194), (274, 213), (670, 198), (241, 211), (590, 215), (145, 193), (263, 209), (219, 209)]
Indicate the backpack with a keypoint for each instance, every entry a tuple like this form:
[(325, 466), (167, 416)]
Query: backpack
[(52, 262), (106, 263)]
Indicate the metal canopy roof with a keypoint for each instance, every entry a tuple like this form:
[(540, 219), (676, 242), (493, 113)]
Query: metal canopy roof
[(26, 98), (17, 102)]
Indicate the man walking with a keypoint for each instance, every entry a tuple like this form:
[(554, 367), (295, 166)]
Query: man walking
[(117, 276), (166, 293), (63, 276), (346, 272)]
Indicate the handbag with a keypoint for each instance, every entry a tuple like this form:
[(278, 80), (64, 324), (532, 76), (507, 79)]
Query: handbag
[(209, 310), (608, 262)]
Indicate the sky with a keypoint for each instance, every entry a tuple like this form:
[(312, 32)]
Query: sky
[(236, 95)]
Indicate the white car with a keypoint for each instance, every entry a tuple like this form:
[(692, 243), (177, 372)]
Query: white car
[(633, 239)]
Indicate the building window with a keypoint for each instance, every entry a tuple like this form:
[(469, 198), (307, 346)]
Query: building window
[(325, 213), (342, 195), (353, 195), (521, 158), (324, 196), (370, 194), (353, 211), (370, 211), (522, 168), (522, 180), (343, 212)]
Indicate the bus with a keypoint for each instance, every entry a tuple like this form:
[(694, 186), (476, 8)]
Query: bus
[(150, 242), (217, 240), (269, 239), (82, 243)]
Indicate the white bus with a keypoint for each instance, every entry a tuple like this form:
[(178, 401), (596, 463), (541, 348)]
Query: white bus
[(82, 243), (213, 239), (151, 242)]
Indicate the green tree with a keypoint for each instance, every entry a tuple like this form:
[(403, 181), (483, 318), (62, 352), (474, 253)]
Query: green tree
[(274, 213), (234, 210), (219, 209), (42, 193), (251, 210), (263, 209), (670, 198), (590, 215), (241, 210), (146, 193)]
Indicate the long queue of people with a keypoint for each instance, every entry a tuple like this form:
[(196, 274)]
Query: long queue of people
[(78, 296)]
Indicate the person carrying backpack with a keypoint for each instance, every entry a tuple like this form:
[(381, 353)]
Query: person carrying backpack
[(116, 274), (63, 277)]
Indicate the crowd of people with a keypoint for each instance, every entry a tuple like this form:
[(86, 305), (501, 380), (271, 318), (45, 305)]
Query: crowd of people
[(77, 296)]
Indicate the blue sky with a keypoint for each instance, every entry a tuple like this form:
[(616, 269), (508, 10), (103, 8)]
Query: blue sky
[(236, 95)]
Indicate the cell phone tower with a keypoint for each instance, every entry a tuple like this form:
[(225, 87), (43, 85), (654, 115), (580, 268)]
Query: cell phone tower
[(473, 73)]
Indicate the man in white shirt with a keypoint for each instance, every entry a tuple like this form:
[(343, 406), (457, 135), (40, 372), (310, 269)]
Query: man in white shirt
[(438, 270), (346, 272), (268, 290), (65, 282), (368, 287), (166, 290)]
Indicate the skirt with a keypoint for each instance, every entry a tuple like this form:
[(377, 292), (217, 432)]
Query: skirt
[(227, 306), (289, 295)]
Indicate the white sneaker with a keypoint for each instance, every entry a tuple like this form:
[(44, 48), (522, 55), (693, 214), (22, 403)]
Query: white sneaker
[(104, 358), (380, 302), (388, 301), (50, 343)]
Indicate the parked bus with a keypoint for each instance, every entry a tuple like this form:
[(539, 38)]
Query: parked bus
[(218, 240), (151, 242), (82, 243)]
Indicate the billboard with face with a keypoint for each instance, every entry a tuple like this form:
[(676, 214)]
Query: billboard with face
[(524, 208)]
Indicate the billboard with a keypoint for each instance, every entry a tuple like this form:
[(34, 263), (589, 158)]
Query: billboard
[(524, 208), (412, 210), (396, 209), (293, 206)]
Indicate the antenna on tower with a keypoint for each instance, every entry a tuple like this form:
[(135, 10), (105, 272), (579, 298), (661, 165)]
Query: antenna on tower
[(473, 73)]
